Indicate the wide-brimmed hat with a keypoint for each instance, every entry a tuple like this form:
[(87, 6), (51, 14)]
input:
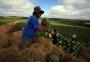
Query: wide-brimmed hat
[(37, 9)]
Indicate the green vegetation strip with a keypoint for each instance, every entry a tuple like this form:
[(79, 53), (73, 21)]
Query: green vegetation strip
[(61, 24)]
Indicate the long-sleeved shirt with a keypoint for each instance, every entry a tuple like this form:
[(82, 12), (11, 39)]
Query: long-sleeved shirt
[(32, 25)]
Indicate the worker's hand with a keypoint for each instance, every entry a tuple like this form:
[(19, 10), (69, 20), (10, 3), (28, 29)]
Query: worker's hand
[(41, 29)]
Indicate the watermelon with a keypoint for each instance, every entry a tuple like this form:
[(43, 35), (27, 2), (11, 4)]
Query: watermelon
[(52, 58)]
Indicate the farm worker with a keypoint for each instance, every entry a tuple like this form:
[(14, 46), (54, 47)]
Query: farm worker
[(44, 25), (55, 35), (32, 25), (45, 28)]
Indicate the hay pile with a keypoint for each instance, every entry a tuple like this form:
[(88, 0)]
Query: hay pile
[(37, 51), (12, 49), (9, 28), (85, 54)]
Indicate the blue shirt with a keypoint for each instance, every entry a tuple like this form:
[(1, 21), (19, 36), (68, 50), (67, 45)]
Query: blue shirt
[(29, 31)]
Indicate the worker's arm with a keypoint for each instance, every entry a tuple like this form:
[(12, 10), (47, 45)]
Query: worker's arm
[(41, 29), (36, 24)]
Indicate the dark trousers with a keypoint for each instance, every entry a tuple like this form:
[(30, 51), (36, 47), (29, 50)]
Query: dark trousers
[(27, 43)]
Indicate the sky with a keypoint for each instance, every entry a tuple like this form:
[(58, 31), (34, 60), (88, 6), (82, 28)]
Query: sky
[(72, 9)]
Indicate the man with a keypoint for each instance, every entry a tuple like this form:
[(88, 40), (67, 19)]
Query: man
[(55, 35), (44, 25), (32, 25)]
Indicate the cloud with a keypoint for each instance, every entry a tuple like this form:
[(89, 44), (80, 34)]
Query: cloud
[(78, 3), (75, 1), (16, 7), (61, 9), (76, 9)]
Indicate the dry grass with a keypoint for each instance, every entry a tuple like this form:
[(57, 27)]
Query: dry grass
[(9, 28), (85, 54), (12, 49), (10, 44), (36, 52)]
